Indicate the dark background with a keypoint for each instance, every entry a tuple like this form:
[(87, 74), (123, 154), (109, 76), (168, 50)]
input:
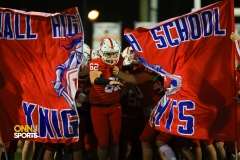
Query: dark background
[(126, 11)]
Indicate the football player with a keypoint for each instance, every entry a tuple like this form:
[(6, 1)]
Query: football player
[(132, 116), (104, 96), (142, 82), (83, 106)]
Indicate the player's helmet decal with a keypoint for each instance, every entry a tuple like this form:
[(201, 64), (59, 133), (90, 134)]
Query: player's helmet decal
[(109, 51)]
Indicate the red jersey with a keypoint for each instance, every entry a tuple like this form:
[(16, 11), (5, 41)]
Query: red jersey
[(103, 94), (130, 105), (145, 92)]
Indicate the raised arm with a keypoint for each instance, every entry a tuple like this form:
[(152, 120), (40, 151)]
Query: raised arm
[(235, 38)]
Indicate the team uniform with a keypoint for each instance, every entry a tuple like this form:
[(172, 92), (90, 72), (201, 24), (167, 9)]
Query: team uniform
[(132, 118), (148, 98), (106, 109), (145, 92)]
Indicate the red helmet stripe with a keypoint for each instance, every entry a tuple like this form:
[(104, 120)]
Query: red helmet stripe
[(128, 49), (111, 42), (90, 54)]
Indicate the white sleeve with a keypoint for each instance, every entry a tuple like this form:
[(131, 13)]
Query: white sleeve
[(237, 47)]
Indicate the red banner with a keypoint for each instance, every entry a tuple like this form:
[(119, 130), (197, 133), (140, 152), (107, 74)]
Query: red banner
[(196, 56), (39, 58)]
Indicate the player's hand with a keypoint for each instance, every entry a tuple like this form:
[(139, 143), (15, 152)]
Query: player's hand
[(157, 86), (81, 97), (115, 70), (116, 83), (233, 36)]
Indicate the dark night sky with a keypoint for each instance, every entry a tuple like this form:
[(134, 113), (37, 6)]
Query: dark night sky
[(126, 11)]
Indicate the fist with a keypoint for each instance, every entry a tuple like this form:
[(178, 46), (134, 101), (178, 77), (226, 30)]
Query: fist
[(115, 70), (79, 99), (233, 37)]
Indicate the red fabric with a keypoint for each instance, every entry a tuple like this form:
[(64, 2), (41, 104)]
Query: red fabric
[(149, 134), (164, 137), (30, 53), (107, 124), (206, 142), (91, 142), (103, 94), (201, 67)]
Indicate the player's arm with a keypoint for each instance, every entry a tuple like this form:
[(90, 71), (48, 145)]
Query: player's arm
[(95, 71), (143, 77), (134, 79), (95, 75), (127, 77), (235, 39)]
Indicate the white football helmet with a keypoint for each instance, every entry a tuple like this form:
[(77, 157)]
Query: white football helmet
[(83, 72), (109, 51), (129, 56), (86, 53), (94, 54)]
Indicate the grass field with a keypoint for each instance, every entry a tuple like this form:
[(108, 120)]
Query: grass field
[(18, 156)]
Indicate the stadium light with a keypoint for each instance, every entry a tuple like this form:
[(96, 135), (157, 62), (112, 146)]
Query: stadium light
[(93, 15)]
